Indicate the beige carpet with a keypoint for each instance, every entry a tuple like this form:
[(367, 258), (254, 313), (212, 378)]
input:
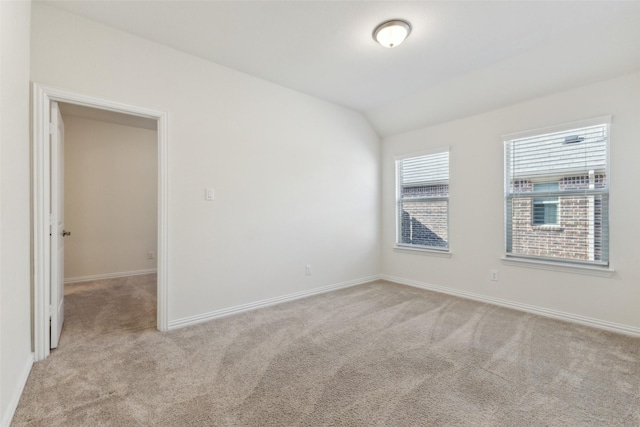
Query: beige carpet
[(378, 354)]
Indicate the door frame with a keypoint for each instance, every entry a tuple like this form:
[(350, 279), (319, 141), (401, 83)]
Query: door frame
[(42, 96)]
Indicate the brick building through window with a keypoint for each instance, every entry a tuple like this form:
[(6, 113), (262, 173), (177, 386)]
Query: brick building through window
[(423, 201)]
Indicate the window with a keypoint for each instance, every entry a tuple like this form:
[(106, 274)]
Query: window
[(557, 193), (545, 209), (423, 201)]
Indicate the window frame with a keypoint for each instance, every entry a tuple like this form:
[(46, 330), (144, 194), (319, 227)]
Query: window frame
[(398, 244), (605, 192)]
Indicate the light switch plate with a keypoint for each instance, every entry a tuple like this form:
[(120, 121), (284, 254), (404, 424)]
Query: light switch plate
[(208, 193)]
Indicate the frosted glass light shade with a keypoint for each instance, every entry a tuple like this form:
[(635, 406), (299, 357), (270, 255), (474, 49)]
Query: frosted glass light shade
[(391, 33)]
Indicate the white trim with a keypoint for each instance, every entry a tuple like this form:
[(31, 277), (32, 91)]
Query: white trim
[(17, 392), (2, 423), (559, 266), (204, 317), (42, 98), (422, 250), (541, 311), (162, 254), (41, 253), (93, 277)]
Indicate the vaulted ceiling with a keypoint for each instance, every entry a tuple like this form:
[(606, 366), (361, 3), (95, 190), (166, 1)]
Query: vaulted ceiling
[(461, 57)]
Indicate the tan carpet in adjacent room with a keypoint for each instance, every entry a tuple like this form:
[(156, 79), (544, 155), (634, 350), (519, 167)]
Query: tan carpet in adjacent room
[(378, 354)]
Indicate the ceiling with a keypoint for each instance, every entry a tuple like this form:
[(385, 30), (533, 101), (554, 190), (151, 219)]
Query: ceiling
[(461, 57), (107, 116)]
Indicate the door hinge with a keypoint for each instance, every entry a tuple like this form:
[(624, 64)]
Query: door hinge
[(52, 309), (52, 219)]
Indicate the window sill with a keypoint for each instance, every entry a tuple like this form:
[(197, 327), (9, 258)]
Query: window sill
[(424, 251), (548, 227), (559, 266)]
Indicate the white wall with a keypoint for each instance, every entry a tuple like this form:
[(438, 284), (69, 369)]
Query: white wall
[(296, 179), (111, 209), (476, 206), (15, 273)]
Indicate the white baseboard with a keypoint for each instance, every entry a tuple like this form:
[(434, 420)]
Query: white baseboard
[(192, 320), (560, 315), (108, 276), (17, 392)]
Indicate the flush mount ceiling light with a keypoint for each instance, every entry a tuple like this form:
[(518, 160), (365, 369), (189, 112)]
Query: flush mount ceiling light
[(391, 33)]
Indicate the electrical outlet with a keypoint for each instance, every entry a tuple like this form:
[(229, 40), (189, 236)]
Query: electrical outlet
[(151, 255), (493, 275), (307, 269)]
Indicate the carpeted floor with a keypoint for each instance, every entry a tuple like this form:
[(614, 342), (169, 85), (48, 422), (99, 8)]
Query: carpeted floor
[(378, 354)]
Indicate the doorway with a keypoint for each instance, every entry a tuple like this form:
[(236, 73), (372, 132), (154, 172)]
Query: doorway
[(43, 100), (109, 220)]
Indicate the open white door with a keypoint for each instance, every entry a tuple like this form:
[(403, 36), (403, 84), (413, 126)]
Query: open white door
[(57, 224)]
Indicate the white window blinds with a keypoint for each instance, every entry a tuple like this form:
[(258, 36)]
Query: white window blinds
[(557, 195), (423, 201)]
